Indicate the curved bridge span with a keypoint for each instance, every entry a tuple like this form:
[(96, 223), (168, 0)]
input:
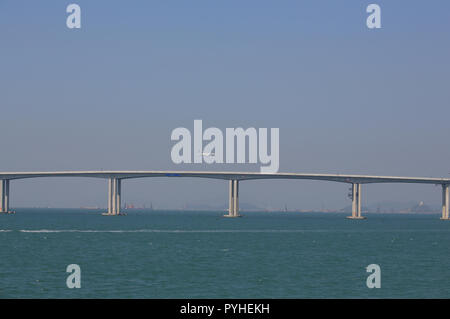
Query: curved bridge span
[(115, 189)]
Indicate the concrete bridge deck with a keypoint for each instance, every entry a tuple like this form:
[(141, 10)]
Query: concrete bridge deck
[(115, 177)]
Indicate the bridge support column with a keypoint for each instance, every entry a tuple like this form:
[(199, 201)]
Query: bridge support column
[(356, 202), (114, 196), (109, 196), (233, 199), (118, 196), (236, 198), (445, 202), (4, 196)]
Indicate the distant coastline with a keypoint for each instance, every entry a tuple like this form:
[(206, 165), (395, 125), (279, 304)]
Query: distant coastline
[(219, 210)]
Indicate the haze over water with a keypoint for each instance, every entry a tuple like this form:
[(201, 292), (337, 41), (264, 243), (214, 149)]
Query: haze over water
[(185, 254)]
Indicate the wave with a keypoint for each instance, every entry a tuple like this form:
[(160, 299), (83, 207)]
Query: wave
[(226, 230), (159, 231)]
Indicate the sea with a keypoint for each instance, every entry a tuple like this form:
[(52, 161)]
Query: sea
[(201, 254)]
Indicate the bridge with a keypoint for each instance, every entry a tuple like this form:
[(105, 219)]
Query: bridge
[(114, 179)]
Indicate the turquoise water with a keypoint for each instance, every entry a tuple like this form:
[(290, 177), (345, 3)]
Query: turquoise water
[(168, 254)]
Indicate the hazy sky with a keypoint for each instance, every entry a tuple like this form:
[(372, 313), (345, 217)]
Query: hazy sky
[(347, 99)]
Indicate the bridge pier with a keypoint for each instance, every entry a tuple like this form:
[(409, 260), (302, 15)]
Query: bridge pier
[(114, 196), (4, 196), (233, 199), (445, 202), (356, 202)]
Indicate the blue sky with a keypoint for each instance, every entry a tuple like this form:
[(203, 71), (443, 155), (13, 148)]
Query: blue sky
[(346, 99)]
